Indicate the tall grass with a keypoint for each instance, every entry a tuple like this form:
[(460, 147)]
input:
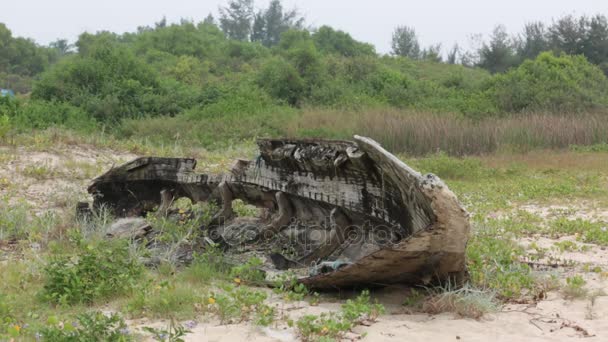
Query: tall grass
[(418, 133)]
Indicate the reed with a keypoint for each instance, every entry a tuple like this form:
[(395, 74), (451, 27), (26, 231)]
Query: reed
[(420, 133)]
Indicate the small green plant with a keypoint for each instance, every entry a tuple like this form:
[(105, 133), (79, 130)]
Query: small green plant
[(575, 287), (329, 326), (95, 272), (173, 333), (566, 246), (494, 264), (244, 210), (238, 304), (249, 272), (360, 309), (88, 327), (288, 285), (414, 299)]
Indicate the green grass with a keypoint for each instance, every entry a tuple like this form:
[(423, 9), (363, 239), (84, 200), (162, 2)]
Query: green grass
[(484, 188), (491, 187)]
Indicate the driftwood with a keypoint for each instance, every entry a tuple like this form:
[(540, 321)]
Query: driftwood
[(338, 213)]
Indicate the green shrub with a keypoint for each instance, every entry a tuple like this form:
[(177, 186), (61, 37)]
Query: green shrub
[(42, 114), (8, 106), (5, 126), (282, 81), (330, 41), (110, 83), (95, 272), (360, 308), (549, 82), (575, 287)]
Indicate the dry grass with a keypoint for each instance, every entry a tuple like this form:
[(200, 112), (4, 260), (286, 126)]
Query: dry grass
[(465, 302), (418, 133)]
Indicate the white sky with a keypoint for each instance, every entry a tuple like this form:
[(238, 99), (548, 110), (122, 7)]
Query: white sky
[(436, 21)]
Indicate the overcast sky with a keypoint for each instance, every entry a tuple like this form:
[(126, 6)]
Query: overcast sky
[(438, 21)]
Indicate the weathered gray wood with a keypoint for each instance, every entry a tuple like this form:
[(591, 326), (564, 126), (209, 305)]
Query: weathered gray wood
[(312, 188)]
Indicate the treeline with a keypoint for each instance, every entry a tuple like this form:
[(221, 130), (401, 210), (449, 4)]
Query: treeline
[(584, 35), (248, 73), (21, 60)]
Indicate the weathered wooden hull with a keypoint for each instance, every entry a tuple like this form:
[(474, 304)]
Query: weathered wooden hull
[(351, 207)]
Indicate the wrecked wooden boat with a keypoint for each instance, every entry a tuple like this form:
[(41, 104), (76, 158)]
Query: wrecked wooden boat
[(336, 213)]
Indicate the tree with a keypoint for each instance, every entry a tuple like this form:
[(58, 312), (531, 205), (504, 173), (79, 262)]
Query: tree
[(330, 41), (235, 19), (532, 41), (432, 53), (22, 56), (209, 20), (567, 34), (269, 24), (62, 46), (498, 54), (453, 54), (161, 24), (595, 41), (258, 30), (405, 42)]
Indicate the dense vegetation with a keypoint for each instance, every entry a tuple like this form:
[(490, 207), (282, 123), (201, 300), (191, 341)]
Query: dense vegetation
[(255, 74)]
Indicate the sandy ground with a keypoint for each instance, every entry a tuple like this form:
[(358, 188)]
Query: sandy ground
[(48, 180), (553, 319), (68, 172)]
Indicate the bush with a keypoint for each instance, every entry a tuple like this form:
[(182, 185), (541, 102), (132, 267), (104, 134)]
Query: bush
[(5, 126), (110, 83), (42, 114), (557, 83), (330, 41), (95, 272), (282, 81), (8, 106)]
